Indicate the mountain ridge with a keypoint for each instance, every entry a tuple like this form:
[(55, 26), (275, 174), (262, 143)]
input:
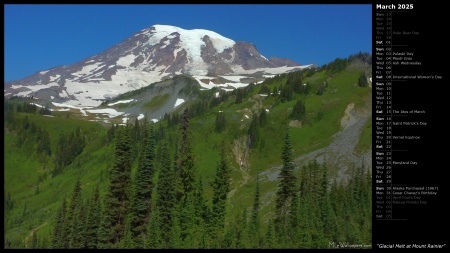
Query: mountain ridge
[(153, 54)]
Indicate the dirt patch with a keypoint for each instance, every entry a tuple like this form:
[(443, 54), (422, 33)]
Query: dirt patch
[(348, 120), (241, 154), (295, 123)]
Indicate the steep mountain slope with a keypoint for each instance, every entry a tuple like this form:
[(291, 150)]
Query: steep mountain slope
[(148, 56)]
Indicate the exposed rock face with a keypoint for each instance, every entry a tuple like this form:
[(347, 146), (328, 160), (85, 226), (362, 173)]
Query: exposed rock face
[(148, 56)]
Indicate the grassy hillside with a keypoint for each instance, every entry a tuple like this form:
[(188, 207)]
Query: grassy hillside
[(33, 194)]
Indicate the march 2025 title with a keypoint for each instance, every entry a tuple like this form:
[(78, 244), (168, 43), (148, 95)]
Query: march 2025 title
[(394, 7)]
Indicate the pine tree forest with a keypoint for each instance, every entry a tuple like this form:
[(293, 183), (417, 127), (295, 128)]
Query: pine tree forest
[(164, 205)]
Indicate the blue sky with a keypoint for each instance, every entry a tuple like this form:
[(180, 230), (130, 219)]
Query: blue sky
[(39, 37)]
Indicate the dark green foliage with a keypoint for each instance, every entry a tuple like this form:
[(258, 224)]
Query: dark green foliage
[(254, 226), (336, 66), (264, 90), (253, 132), (165, 196), (68, 148), (220, 122), (141, 199), (362, 80), (45, 111), (299, 111), (110, 134), (239, 96), (286, 93), (275, 91), (57, 237), (116, 199), (186, 167), (93, 220), (221, 188), (286, 184), (106, 235), (322, 88), (262, 117), (154, 240), (44, 142), (71, 236)]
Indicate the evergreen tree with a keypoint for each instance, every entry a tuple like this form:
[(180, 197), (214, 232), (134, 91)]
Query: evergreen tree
[(141, 201), (253, 132), (116, 199), (165, 199), (255, 225), (186, 166), (286, 184), (93, 220), (106, 233), (155, 241), (79, 236), (299, 111), (221, 188), (127, 242), (44, 144), (239, 95), (71, 227), (220, 122), (57, 237)]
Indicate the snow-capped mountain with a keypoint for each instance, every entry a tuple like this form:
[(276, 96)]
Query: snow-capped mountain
[(148, 56)]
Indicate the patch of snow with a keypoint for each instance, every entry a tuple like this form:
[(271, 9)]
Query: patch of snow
[(86, 70), (141, 116), (274, 71), (63, 94), (267, 110), (111, 112), (124, 120), (217, 94), (83, 112), (154, 120), (178, 102), (38, 105), (126, 60), (121, 102), (43, 72), (65, 105), (53, 78), (24, 93), (234, 78), (52, 97), (6, 94)]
